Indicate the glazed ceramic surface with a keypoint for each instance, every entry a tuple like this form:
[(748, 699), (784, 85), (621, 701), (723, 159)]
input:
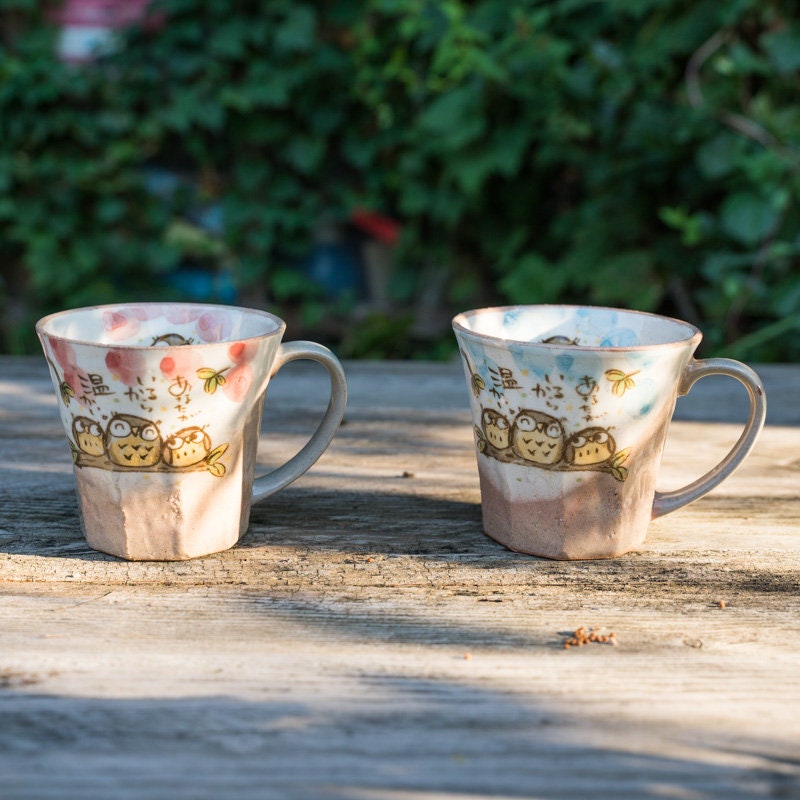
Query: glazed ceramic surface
[(571, 407), (161, 404)]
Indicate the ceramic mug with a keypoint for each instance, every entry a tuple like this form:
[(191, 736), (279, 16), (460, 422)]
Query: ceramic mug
[(162, 404), (571, 407)]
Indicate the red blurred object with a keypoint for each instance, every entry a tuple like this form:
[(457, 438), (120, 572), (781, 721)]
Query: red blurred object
[(380, 227), (88, 26), (112, 14)]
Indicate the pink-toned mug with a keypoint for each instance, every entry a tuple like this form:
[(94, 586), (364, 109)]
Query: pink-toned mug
[(571, 406), (162, 405)]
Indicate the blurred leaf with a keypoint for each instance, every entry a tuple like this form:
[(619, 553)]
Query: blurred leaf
[(296, 33), (783, 48), (454, 118), (533, 279), (305, 153), (748, 217), (719, 156)]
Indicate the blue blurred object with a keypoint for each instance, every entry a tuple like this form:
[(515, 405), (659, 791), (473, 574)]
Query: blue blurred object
[(334, 264), (192, 280), (162, 183), (195, 283), (209, 217)]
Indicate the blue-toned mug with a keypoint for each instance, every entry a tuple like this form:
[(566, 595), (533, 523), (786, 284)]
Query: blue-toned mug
[(571, 406)]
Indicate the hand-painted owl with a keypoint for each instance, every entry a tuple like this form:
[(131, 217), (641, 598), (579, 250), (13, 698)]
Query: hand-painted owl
[(590, 446), (88, 436), (495, 428), (187, 447), (132, 441), (537, 437)]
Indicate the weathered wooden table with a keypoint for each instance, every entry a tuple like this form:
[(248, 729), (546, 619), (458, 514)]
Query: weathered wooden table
[(366, 640)]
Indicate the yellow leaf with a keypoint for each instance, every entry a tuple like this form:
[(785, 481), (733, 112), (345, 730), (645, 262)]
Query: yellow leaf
[(205, 373), (620, 381), (620, 473), (216, 453), (67, 393), (621, 457)]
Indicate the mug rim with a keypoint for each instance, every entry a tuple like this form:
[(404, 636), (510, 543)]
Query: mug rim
[(458, 327), (41, 324)]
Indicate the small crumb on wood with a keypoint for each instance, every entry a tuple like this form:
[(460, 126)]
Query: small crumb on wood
[(467, 656), (10, 679), (722, 604), (583, 635), (407, 474)]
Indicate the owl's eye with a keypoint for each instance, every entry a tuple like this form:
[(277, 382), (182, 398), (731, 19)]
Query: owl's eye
[(526, 423), (174, 442), (553, 430), (501, 423), (94, 429), (601, 437), (195, 437), (80, 425), (119, 428), (578, 441), (149, 433)]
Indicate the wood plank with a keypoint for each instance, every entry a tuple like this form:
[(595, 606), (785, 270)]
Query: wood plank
[(366, 640)]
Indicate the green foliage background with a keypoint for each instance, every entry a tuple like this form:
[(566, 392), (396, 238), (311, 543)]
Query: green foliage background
[(643, 154)]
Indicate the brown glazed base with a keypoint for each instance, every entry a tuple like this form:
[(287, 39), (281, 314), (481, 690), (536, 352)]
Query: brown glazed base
[(597, 516), (601, 518), (162, 517)]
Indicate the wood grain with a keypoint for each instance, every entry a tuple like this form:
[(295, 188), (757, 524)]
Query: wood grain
[(366, 640)]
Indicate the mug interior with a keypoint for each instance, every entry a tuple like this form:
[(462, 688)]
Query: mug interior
[(583, 326), (159, 324)]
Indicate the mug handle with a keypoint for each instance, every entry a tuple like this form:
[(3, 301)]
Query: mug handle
[(665, 502), (270, 483)]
